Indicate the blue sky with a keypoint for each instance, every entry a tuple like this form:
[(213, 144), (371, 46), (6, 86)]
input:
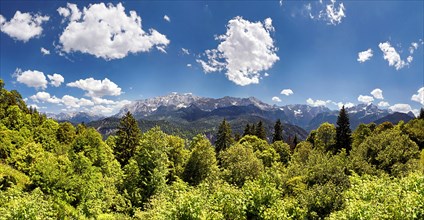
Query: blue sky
[(256, 49)]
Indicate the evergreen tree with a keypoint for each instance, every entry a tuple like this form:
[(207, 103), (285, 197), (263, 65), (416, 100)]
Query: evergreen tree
[(421, 116), (224, 138), (246, 130), (343, 132), (278, 132), (260, 131), (128, 138), (295, 141), (252, 129)]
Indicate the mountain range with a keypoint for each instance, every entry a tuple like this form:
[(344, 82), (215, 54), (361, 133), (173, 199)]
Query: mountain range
[(187, 114)]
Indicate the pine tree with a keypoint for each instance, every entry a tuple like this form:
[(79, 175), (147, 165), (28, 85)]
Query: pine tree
[(224, 138), (343, 132), (295, 141), (421, 116), (278, 132), (260, 131), (246, 130), (128, 138), (252, 129)]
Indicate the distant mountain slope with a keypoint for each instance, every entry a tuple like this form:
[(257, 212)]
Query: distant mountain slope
[(395, 118), (75, 117)]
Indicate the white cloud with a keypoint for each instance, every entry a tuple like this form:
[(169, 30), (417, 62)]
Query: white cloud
[(37, 107), (44, 51), (383, 104), (106, 31), (161, 49), (56, 79), (403, 108), (276, 99), (166, 18), (266, 74), (23, 26), (245, 50), (392, 56), (45, 97), (335, 14), (409, 59), (346, 105), (365, 55), (31, 78), (185, 51), (413, 47), (365, 98), (97, 88), (188, 64), (281, 2), (286, 92), (377, 93), (330, 11), (72, 102), (317, 102), (419, 97)]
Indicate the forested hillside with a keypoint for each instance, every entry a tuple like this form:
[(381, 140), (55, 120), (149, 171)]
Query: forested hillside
[(51, 170)]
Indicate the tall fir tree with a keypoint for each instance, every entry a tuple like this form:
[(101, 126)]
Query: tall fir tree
[(128, 138), (295, 141), (224, 137), (421, 116), (252, 129), (260, 131), (278, 131), (343, 132), (247, 130)]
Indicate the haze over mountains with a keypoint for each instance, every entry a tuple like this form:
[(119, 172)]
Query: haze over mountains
[(191, 113)]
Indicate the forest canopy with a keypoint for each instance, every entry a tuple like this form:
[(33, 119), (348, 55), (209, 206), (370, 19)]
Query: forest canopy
[(56, 170)]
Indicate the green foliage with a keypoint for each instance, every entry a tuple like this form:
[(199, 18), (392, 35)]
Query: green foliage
[(202, 162), (239, 164), (325, 138), (415, 131), (128, 137), (383, 197), (65, 133), (262, 149), (260, 131), (278, 131), (283, 150), (224, 137), (389, 151)]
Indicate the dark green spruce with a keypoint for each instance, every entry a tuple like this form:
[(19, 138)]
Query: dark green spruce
[(343, 132), (128, 138), (278, 131), (224, 137)]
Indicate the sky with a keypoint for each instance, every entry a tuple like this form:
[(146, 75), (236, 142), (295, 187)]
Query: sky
[(98, 56)]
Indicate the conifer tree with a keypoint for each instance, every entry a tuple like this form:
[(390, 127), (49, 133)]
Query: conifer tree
[(295, 141), (260, 131), (278, 132), (252, 129), (224, 138), (246, 130), (128, 138), (421, 116), (343, 132)]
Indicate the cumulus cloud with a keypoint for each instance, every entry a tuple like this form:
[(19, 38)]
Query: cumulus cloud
[(45, 97), (276, 99), (392, 56), (245, 50), (72, 102), (317, 102), (44, 51), (403, 108), (56, 79), (97, 88), (365, 55), (286, 92), (365, 99), (188, 64), (419, 97), (413, 47), (383, 104), (106, 31), (346, 105), (31, 78), (266, 74), (377, 93), (23, 26), (166, 18)]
